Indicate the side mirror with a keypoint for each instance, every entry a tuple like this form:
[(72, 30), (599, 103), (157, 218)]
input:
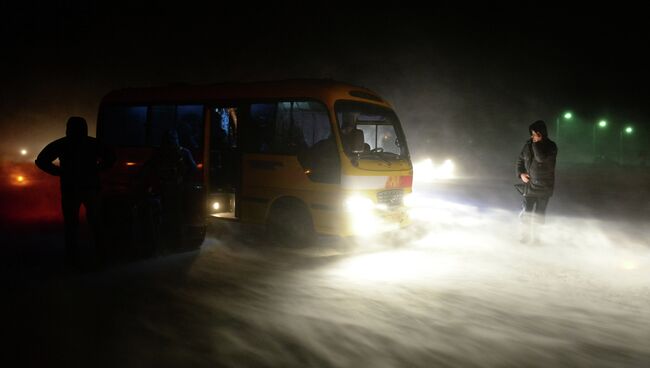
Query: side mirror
[(357, 144)]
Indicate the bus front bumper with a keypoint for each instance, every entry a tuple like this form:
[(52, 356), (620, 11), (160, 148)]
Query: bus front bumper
[(375, 222)]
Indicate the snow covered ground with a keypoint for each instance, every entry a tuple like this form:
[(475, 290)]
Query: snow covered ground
[(454, 289)]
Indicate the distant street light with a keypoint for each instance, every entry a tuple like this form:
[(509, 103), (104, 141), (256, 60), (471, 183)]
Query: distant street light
[(23, 152), (567, 116), (627, 130), (601, 124)]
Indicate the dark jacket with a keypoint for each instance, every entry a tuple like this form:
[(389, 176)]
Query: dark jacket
[(169, 167), (538, 161), (81, 158)]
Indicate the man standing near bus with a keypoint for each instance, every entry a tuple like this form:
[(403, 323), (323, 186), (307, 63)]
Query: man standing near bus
[(166, 176), (81, 158), (536, 169)]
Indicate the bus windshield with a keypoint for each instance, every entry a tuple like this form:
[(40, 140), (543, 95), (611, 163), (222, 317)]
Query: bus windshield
[(382, 132)]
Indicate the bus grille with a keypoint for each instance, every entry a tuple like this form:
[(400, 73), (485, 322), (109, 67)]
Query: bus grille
[(391, 198)]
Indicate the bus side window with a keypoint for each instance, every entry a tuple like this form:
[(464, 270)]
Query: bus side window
[(287, 127), (189, 124), (299, 125), (313, 122), (187, 120), (123, 126), (289, 137), (262, 126), (319, 155), (162, 119)]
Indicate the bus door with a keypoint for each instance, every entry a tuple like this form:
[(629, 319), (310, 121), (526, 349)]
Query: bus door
[(224, 159)]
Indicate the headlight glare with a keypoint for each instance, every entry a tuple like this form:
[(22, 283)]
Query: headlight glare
[(358, 203)]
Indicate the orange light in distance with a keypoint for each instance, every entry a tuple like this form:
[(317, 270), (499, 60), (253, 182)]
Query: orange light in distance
[(19, 180), (131, 164)]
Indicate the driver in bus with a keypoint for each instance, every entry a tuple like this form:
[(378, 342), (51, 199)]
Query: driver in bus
[(348, 127)]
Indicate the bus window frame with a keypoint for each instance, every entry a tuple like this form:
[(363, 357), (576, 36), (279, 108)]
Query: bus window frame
[(100, 122), (399, 126)]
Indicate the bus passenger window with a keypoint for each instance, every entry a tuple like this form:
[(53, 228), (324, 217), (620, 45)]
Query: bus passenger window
[(162, 119), (288, 127), (318, 155), (312, 120), (288, 137), (262, 117), (189, 124), (123, 126)]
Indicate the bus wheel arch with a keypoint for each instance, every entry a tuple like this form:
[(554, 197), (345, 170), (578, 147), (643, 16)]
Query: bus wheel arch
[(289, 222)]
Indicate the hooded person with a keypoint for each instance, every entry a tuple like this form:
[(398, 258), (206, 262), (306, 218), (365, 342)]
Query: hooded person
[(81, 158), (169, 166), (165, 177), (536, 169)]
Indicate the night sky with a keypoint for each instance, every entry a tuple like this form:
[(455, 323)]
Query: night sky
[(465, 82)]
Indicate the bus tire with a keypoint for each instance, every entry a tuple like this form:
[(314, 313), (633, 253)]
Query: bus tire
[(290, 224)]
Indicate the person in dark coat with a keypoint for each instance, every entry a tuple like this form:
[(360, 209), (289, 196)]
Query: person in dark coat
[(81, 158), (166, 176), (536, 169)]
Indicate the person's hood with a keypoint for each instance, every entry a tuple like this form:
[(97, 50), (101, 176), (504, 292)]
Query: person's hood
[(76, 128), (540, 127), (170, 139)]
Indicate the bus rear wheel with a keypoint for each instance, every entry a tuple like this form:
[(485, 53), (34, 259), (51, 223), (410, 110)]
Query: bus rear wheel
[(290, 224)]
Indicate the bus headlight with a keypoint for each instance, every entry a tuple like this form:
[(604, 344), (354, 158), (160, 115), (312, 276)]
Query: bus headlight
[(359, 204), (361, 215)]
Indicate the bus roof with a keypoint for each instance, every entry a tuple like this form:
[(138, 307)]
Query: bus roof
[(321, 89)]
